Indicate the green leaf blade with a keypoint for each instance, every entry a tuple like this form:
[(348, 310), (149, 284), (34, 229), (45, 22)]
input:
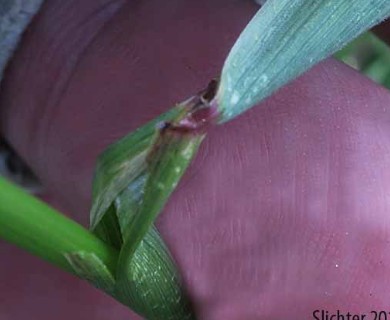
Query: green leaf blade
[(283, 40)]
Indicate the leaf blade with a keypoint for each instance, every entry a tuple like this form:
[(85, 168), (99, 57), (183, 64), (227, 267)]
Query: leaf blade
[(283, 40)]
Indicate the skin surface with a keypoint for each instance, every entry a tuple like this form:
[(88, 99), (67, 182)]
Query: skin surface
[(284, 211)]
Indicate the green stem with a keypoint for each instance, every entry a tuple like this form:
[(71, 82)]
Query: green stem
[(33, 225)]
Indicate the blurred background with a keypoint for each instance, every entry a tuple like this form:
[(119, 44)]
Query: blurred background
[(370, 56)]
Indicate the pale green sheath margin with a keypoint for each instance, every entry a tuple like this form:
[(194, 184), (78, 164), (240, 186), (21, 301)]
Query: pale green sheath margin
[(15, 15)]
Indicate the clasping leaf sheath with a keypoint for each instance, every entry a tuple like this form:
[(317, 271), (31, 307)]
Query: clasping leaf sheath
[(133, 181)]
